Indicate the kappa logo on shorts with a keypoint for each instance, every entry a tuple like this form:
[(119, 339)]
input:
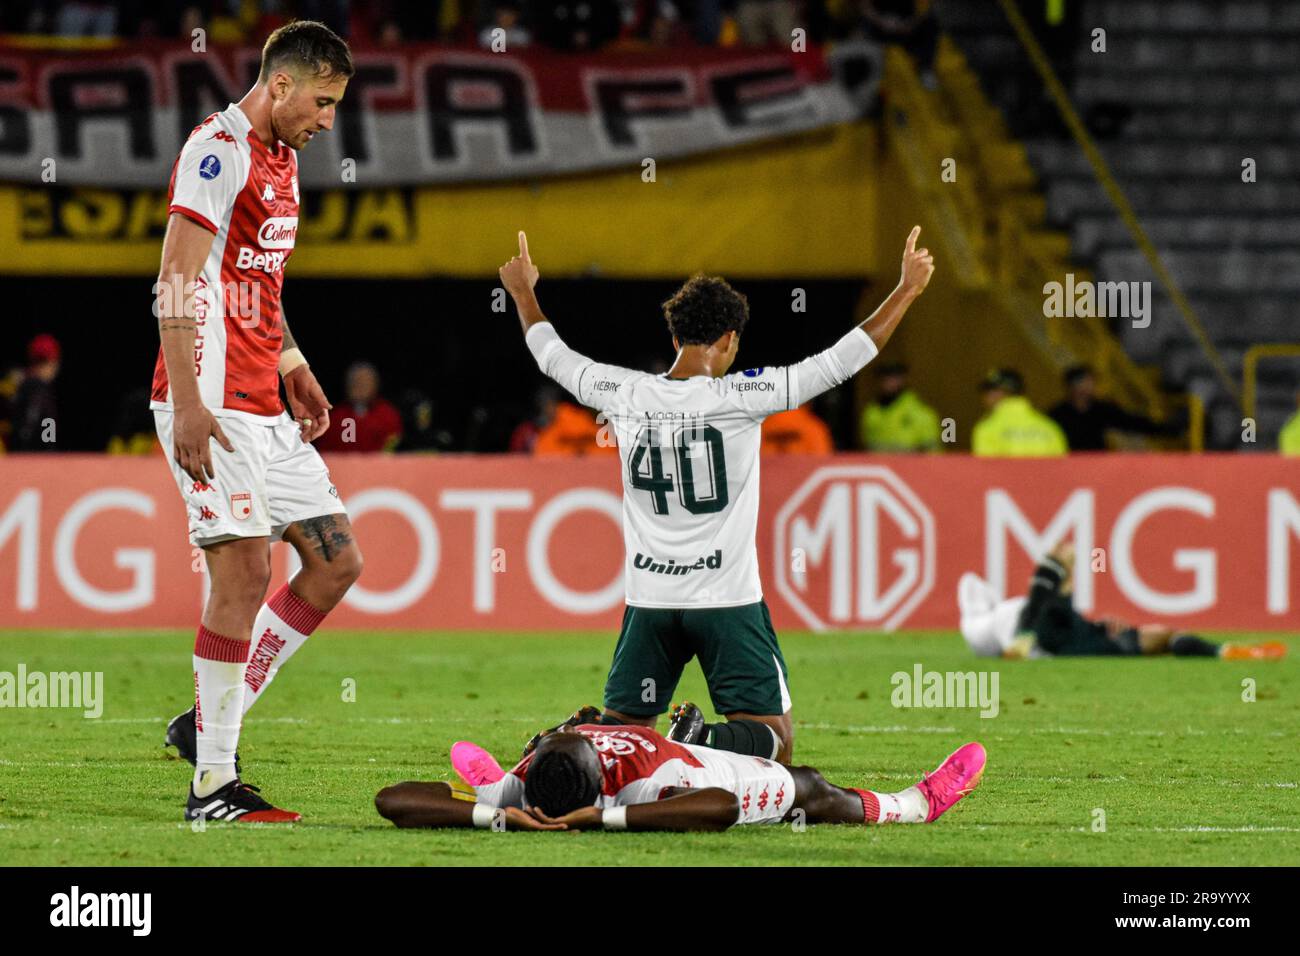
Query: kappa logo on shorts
[(241, 505)]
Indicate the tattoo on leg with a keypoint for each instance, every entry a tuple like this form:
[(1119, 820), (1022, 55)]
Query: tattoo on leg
[(327, 535)]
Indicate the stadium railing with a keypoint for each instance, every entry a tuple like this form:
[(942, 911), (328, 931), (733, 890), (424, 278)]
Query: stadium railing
[(993, 220)]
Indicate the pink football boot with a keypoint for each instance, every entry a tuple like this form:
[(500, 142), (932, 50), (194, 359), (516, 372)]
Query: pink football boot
[(953, 779), (474, 765)]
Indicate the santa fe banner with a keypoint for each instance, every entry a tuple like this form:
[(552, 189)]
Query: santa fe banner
[(850, 542), (415, 115)]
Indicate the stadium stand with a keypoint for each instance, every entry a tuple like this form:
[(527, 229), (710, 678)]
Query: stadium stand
[(1170, 103)]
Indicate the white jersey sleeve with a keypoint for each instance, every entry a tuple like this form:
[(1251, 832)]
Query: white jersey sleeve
[(506, 792), (766, 391), (592, 383), (210, 173)]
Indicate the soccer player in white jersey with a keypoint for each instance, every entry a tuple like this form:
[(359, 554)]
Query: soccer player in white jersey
[(595, 776), (246, 470), (689, 446)]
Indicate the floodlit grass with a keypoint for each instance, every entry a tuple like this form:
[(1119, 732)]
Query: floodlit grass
[(1184, 770)]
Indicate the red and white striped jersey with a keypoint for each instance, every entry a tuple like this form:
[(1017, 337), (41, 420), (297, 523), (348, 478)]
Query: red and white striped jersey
[(639, 764), (230, 182)]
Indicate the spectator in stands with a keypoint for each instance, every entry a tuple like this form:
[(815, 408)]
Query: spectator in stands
[(86, 18), (796, 432), (574, 431), (766, 22), (654, 23), (507, 17), (1086, 419), (1013, 428), (35, 404), (909, 23), (9, 382), (706, 21), (134, 432), (524, 438), (420, 428), (578, 26), (1288, 442), (897, 419), (365, 421)]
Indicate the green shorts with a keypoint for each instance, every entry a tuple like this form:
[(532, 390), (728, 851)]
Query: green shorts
[(738, 653)]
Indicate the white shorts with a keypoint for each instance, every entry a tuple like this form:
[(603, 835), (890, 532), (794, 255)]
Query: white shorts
[(764, 788), (272, 479)]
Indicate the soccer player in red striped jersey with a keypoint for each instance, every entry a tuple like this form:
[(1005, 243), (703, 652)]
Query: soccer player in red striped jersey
[(245, 469), (595, 776)]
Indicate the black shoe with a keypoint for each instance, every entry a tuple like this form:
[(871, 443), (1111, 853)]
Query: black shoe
[(585, 715), (686, 724), (236, 801), (183, 735)]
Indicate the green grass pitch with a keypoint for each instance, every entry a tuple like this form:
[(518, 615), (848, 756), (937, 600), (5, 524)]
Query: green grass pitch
[(1184, 770)]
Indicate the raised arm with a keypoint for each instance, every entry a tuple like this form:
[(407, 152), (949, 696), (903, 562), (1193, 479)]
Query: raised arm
[(573, 371), (918, 266), (519, 276), (821, 372), (185, 249)]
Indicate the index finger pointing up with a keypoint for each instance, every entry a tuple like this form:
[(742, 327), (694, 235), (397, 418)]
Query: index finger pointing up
[(911, 238), (523, 247)]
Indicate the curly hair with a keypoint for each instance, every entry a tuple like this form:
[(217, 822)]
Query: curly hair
[(704, 309), (559, 781)]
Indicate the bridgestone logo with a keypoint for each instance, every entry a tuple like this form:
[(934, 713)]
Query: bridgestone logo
[(645, 563), (259, 664)]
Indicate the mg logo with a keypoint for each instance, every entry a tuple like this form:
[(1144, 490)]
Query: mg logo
[(854, 546)]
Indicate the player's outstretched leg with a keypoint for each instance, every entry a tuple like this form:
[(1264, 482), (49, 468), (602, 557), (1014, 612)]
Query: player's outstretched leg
[(331, 563), (474, 765), (925, 802), (767, 737)]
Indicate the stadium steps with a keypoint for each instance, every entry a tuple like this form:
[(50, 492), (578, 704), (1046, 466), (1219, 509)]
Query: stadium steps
[(1185, 91)]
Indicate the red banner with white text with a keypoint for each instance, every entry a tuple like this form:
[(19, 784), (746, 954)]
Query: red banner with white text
[(851, 542)]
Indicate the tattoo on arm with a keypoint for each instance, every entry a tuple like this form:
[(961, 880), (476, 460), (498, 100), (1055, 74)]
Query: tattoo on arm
[(288, 341), (328, 535)]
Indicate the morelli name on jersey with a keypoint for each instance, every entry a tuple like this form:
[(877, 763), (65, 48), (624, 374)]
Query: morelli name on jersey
[(689, 450), (231, 183)]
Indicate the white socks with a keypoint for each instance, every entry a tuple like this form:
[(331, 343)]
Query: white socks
[(219, 664), (906, 806), (283, 625)]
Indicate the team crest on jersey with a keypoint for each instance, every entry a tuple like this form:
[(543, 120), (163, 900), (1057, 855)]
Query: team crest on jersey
[(241, 505), (210, 167), (753, 372)]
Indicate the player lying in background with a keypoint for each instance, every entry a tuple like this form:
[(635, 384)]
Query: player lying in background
[(595, 777), (1044, 623)]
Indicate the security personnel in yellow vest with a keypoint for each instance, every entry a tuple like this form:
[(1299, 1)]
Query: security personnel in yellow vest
[(897, 419), (1288, 443), (1013, 428)]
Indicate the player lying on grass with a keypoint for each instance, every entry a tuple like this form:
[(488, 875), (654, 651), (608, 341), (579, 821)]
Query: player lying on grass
[(689, 445), (632, 778), (1045, 623)]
